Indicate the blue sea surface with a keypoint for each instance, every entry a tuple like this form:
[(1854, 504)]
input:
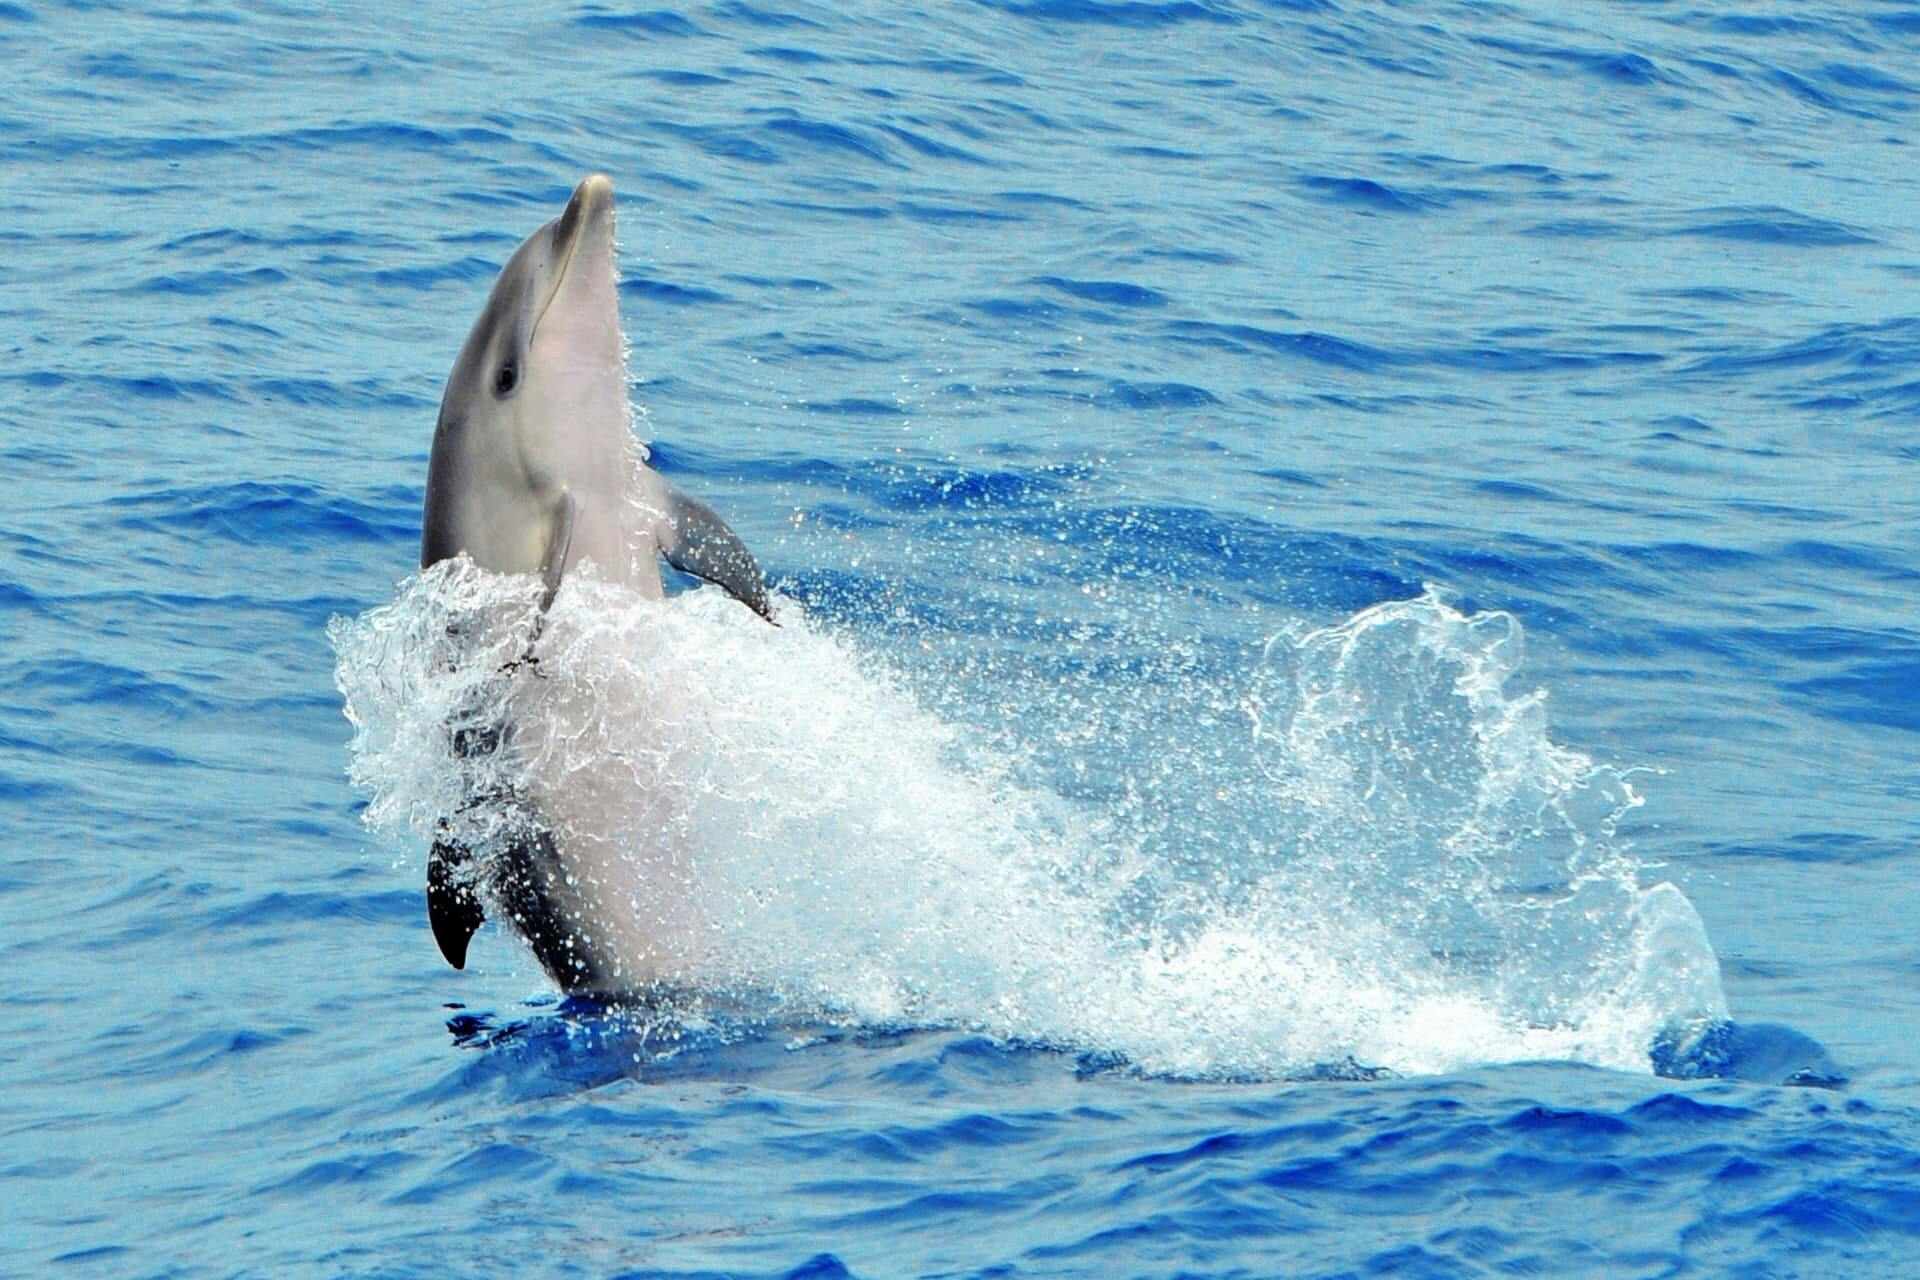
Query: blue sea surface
[(1348, 697)]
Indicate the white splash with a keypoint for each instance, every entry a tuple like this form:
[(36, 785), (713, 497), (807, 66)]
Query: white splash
[(1436, 884)]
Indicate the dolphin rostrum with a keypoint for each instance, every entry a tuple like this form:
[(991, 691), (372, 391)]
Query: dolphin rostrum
[(534, 469)]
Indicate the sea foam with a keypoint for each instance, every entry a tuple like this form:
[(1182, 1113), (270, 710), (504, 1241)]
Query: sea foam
[(1423, 881)]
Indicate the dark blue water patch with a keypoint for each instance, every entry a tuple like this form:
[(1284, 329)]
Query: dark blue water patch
[(640, 24), (969, 490), (1564, 1128), (981, 1206), (285, 907), (778, 348), (14, 595), (162, 387), (96, 1253), (1868, 79), (1870, 563), (929, 488), (1512, 571), (945, 214), (865, 212), (1770, 224), (855, 406), (828, 136), (1368, 195), (1022, 308), (1309, 345), (1880, 690), (338, 393), (1517, 491), (667, 293), (1625, 68), (363, 1171), (1044, 198), (1117, 293), (1619, 66), (14, 13), (793, 57), (286, 513), (721, 142), (249, 328), (1241, 1143), (83, 681), (1677, 561), (1763, 225), (806, 284), (970, 1130), (1901, 21), (1846, 1211), (385, 136), (752, 15), (23, 789), (1156, 395), (1715, 294), (1115, 13), (790, 469), (38, 379), (205, 1051), (1886, 348), (1579, 228), (1804, 89), (1295, 479), (427, 275), (123, 66), (311, 609), (505, 1162), (1506, 356), (683, 79), (929, 146), (1762, 24), (1538, 175), (1301, 568), (1153, 152)]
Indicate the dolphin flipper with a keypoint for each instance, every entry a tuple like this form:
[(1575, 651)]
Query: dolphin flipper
[(554, 563), (697, 541), (453, 908)]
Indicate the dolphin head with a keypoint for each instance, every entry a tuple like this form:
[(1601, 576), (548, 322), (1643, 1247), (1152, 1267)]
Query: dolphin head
[(535, 406)]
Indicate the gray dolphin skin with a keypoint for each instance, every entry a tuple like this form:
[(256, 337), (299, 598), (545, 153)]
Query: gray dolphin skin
[(534, 468)]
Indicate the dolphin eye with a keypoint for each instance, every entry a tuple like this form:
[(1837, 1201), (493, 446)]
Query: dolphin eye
[(506, 379)]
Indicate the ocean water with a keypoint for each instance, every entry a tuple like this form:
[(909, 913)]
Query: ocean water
[(1348, 696)]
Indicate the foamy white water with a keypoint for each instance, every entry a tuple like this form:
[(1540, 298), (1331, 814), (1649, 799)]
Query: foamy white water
[(1432, 883)]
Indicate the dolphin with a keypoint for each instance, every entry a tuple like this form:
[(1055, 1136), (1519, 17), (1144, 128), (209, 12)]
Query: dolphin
[(534, 468)]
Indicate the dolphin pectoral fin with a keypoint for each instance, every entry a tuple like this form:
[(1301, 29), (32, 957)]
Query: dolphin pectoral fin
[(699, 542), (558, 542), (453, 908)]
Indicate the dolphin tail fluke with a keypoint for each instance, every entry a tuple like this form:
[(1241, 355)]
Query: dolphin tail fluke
[(698, 542), (453, 906)]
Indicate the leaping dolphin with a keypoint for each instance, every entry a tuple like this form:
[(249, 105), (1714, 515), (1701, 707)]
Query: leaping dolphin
[(534, 469)]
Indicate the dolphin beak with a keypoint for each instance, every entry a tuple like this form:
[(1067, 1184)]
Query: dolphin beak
[(588, 216), (592, 200)]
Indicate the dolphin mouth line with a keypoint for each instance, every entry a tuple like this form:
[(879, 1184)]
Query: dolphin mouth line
[(560, 279), (559, 282)]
